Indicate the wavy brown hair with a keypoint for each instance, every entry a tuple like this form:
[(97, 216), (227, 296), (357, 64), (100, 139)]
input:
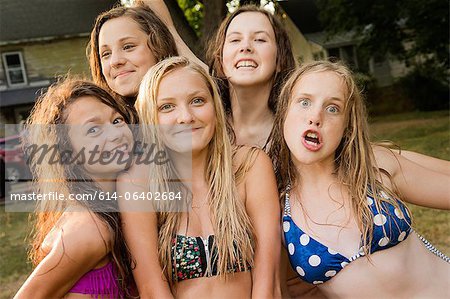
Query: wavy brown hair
[(355, 163), (160, 40), (234, 236), (45, 126), (285, 58)]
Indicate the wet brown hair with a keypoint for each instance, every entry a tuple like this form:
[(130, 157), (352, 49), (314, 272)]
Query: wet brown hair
[(160, 40), (50, 110), (285, 57)]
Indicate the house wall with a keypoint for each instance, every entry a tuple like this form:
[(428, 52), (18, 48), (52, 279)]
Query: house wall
[(302, 49), (398, 68), (45, 60)]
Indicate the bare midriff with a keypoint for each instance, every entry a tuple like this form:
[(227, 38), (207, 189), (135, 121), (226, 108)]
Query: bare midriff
[(236, 285)]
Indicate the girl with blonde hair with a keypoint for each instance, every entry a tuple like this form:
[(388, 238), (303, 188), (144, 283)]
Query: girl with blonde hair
[(346, 227), (227, 242), (77, 247)]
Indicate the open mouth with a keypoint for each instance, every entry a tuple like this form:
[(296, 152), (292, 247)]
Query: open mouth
[(312, 140), (246, 64)]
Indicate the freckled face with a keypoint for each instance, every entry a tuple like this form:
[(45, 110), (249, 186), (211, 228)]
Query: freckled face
[(97, 128), (186, 111), (315, 120), (125, 55), (250, 50)]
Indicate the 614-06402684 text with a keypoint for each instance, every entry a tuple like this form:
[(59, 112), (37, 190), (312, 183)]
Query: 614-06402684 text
[(98, 195)]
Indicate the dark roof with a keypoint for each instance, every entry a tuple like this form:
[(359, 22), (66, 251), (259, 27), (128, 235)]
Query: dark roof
[(35, 19), (304, 14), (19, 96)]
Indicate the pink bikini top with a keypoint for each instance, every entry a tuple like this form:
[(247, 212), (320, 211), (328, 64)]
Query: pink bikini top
[(99, 282)]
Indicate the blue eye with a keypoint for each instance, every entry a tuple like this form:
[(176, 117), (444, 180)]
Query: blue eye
[(333, 109), (305, 103)]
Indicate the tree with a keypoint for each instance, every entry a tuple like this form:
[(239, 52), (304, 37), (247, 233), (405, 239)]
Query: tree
[(414, 31), (204, 18), (215, 12), (183, 26)]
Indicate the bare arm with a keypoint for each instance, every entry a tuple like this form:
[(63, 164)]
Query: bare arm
[(418, 185), (160, 8), (429, 162), (141, 235), (264, 211), (74, 252), (434, 164)]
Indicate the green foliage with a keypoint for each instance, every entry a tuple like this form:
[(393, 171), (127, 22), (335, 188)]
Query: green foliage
[(388, 100), (365, 82), (425, 88), (194, 12), (405, 29)]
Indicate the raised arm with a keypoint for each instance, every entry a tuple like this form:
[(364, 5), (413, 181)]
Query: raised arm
[(141, 234), (429, 162), (434, 164), (75, 251), (417, 184), (264, 210), (161, 10)]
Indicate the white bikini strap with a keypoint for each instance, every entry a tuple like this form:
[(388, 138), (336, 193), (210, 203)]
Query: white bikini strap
[(287, 206)]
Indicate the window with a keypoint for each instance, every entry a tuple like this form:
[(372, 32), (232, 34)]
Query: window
[(14, 68), (347, 54)]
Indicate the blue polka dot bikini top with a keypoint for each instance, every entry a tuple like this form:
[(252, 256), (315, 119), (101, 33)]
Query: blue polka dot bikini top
[(316, 263)]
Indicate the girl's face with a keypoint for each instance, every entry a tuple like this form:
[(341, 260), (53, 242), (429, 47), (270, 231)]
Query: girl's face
[(315, 120), (100, 133), (185, 111), (124, 54), (250, 50)]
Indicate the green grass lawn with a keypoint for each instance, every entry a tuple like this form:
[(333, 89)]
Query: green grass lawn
[(13, 252), (426, 133)]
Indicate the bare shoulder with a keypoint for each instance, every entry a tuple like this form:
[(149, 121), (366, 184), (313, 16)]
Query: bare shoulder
[(386, 158), (83, 232), (250, 155)]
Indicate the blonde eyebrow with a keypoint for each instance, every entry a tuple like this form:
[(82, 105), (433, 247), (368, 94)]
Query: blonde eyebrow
[(190, 95)]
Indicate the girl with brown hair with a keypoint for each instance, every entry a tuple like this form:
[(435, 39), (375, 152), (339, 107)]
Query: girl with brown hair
[(251, 55), (78, 248)]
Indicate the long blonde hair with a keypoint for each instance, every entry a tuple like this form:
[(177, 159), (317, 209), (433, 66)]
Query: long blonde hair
[(231, 224), (354, 158)]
